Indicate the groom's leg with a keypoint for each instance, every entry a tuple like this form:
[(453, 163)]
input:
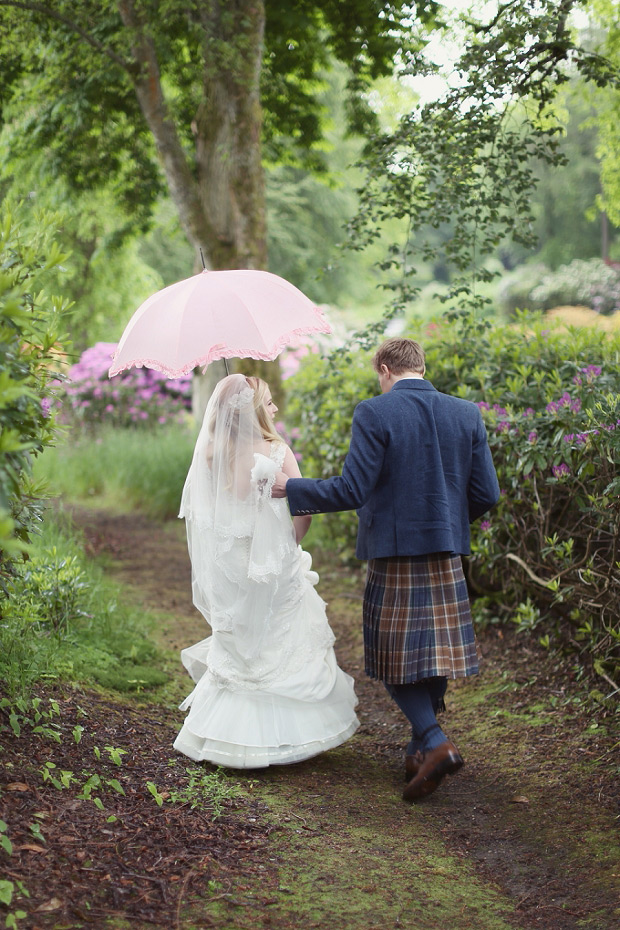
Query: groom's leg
[(419, 702)]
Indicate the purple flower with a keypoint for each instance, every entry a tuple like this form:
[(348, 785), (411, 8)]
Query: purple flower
[(46, 404), (482, 405), (564, 401), (485, 525), (560, 470), (502, 427), (528, 412), (532, 436)]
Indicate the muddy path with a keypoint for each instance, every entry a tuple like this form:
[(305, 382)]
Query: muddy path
[(525, 836)]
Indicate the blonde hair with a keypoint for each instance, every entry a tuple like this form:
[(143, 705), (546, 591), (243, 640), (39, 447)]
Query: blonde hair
[(399, 354), (261, 390)]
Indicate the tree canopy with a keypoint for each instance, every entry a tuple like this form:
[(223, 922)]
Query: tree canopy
[(469, 160), (192, 96)]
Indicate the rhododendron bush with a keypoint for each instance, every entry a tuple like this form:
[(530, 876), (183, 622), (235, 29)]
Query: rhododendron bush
[(548, 555), (139, 397)]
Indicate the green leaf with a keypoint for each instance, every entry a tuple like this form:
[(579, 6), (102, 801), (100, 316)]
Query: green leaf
[(6, 844), (6, 892)]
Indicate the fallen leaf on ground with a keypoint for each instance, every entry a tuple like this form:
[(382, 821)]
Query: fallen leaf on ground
[(519, 799), (52, 905)]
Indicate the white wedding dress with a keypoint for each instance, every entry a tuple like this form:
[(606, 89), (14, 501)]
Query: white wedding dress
[(268, 688)]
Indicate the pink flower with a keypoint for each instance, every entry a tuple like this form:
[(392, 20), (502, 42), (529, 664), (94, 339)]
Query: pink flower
[(485, 525), (533, 436)]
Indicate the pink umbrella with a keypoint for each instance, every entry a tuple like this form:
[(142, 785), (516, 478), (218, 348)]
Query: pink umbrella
[(216, 315)]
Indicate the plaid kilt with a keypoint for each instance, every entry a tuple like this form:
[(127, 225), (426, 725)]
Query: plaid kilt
[(417, 619)]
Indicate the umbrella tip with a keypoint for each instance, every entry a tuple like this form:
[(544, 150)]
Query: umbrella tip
[(202, 258)]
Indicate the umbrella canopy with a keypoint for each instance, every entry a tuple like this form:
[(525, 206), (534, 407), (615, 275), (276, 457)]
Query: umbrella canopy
[(216, 315)]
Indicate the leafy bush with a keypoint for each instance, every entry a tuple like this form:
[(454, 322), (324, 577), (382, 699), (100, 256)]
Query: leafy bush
[(30, 342), (550, 400), (320, 402), (142, 469), (593, 284), (62, 621), (139, 397), (590, 283), (515, 289)]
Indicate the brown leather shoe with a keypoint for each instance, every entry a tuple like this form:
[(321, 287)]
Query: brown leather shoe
[(412, 764), (444, 760)]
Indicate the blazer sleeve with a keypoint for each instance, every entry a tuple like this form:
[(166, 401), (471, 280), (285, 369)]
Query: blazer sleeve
[(360, 473), (483, 488)]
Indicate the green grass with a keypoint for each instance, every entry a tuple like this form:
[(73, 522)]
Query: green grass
[(139, 469), (63, 621)]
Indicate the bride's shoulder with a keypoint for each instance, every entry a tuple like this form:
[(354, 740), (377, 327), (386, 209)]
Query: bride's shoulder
[(277, 452)]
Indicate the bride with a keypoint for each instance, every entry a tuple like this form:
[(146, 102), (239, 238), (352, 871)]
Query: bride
[(268, 688)]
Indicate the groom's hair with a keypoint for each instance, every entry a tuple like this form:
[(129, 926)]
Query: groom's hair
[(399, 354)]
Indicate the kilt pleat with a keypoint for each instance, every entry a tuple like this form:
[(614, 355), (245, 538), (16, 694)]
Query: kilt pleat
[(417, 619)]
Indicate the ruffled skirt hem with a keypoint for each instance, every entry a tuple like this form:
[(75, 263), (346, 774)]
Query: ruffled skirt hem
[(255, 757)]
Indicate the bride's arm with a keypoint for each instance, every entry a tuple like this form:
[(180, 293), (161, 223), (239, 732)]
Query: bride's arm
[(291, 470)]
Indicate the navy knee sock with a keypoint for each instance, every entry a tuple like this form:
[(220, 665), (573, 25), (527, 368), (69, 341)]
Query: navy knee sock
[(419, 702)]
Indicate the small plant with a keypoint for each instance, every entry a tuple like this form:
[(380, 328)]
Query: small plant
[(53, 585), (115, 754), (4, 839), (8, 890), (206, 789), (31, 712), (154, 791)]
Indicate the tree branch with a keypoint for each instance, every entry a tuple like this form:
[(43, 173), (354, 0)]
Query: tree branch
[(478, 28), (70, 24), (147, 84), (529, 572)]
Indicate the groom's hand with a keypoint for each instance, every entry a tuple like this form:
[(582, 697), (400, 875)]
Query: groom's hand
[(279, 485)]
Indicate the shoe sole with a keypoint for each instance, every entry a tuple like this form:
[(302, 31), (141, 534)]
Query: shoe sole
[(431, 782)]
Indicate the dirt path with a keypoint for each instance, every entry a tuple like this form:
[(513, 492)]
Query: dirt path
[(524, 837)]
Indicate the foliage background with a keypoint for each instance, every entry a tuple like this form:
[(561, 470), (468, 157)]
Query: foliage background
[(547, 556)]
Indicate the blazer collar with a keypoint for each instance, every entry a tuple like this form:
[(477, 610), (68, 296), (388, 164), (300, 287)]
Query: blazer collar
[(413, 384)]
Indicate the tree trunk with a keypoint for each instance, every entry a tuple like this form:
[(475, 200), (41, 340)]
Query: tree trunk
[(222, 209), (228, 131)]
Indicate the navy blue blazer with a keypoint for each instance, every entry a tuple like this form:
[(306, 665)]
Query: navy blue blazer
[(418, 471)]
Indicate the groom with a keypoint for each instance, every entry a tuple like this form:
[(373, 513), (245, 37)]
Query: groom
[(418, 470)]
